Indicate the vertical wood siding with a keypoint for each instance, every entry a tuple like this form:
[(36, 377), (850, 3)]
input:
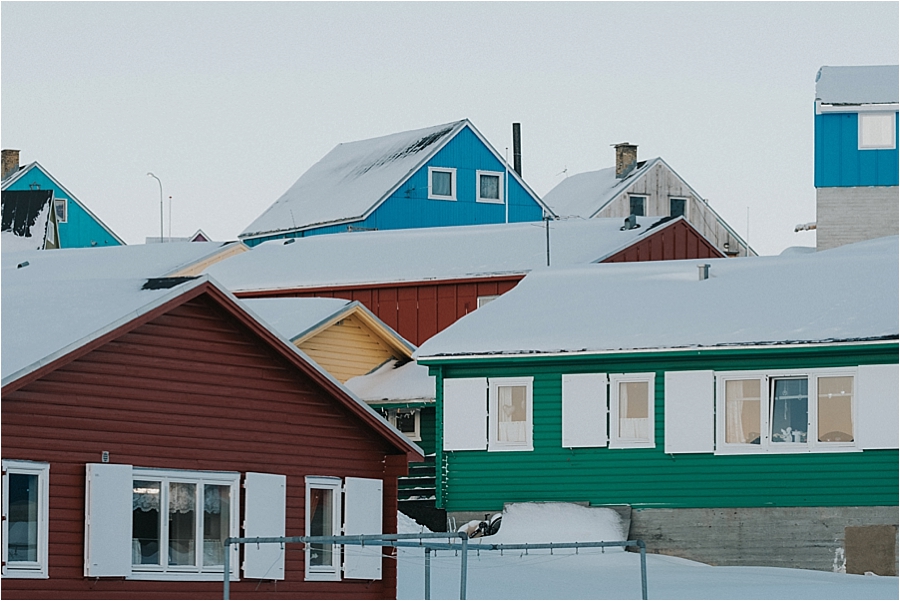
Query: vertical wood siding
[(677, 241), (838, 160), (192, 389), (484, 481)]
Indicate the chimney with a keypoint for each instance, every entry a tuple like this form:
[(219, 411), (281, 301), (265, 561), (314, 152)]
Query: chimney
[(703, 268), (517, 148), (10, 162), (626, 159)]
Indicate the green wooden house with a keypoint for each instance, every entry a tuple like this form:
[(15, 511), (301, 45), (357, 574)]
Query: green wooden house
[(746, 410)]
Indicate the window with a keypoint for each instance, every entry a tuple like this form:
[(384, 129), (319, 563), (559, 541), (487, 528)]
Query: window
[(26, 501), (637, 205), (323, 519), (441, 183), (771, 412), (490, 186), (180, 520), (631, 409), (877, 131), (677, 207), (62, 213), (483, 300), (510, 414), (407, 421)]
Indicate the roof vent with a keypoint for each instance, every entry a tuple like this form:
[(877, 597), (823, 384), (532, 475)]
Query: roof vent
[(290, 241), (23, 264), (630, 223), (704, 271)]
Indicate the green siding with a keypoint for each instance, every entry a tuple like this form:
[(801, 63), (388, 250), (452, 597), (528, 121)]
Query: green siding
[(479, 480)]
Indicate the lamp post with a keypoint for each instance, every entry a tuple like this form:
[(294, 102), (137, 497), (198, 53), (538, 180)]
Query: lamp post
[(160, 205)]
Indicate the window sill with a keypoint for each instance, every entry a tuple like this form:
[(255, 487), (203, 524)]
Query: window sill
[(323, 576), (505, 448), (182, 576), (450, 198), (32, 574), (788, 451), (631, 445), (490, 201)]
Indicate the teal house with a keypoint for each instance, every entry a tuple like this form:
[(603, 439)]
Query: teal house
[(743, 411), (77, 226), (437, 176)]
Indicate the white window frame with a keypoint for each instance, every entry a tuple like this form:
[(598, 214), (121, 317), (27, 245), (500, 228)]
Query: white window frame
[(393, 418), (644, 201), (65, 209), (483, 300), (687, 204), (616, 441), (765, 445), (29, 569), (332, 572), (494, 384), (198, 572), (452, 172), (868, 116), (499, 175)]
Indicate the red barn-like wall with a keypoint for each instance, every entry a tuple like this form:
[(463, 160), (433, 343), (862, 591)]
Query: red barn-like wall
[(193, 388)]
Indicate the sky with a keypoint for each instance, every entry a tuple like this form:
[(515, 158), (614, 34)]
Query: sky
[(229, 103)]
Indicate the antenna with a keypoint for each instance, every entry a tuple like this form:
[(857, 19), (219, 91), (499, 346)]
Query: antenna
[(565, 171)]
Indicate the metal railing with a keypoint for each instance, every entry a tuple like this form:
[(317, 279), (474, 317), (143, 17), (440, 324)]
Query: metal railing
[(428, 542)]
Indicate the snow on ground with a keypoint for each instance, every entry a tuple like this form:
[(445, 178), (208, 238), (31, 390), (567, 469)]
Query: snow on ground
[(592, 574)]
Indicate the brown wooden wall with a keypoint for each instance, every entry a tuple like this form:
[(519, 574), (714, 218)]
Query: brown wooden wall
[(192, 389), (418, 310), (677, 241)]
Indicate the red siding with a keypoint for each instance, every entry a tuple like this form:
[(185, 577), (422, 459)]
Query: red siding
[(191, 389), (676, 241)]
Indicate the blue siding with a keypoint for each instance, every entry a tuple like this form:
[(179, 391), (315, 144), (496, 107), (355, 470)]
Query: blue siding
[(80, 230), (410, 207), (839, 162)]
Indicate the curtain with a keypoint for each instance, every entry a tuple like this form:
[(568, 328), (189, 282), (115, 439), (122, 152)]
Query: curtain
[(507, 429), (146, 495)]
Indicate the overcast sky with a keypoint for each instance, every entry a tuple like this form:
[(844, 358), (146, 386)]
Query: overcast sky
[(230, 103)]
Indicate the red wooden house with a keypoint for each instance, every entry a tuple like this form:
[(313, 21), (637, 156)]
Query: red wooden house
[(421, 281), (145, 421)]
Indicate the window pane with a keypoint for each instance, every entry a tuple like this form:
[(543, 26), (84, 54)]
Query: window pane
[(676, 207), (876, 130), (441, 184), (790, 417), (490, 187), (182, 524), (835, 422), (216, 521), (321, 512), (742, 417), (637, 205), (23, 517), (511, 413), (634, 411), (406, 422), (145, 523)]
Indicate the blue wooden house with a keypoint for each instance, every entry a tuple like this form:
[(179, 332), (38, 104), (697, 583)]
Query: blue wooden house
[(78, 227), (437, 176), (856, 174)]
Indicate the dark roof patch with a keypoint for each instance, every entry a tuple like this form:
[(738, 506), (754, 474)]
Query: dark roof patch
[(165, 283), (21, 209)]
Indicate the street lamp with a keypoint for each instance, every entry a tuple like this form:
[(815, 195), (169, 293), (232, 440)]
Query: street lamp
[(160, 205)]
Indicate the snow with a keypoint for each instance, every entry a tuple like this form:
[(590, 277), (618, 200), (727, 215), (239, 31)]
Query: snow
[(133, 261), (352, 179), (607, 574), (12, 244), (294, 317), (394, 381), (871, 84), (583, 194), (424, 254), (847, 293)]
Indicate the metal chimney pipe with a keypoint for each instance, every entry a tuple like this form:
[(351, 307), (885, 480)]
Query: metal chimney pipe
[(517, 148), (704, 271)]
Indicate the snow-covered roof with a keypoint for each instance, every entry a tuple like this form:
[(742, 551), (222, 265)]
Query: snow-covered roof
[(395, 381), (293, 317), (415, 255), (352, 179), (871, 84), (26, 219), (135, 261), (584, 194), (847, 293)]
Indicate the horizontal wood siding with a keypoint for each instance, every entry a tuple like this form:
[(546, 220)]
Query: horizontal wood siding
[(677, 241), (839, 162), (192, 389), (416, 311), (347, 349), (484, 481)]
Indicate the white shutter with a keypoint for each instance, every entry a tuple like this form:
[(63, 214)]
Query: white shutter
[(264, 516), (107, 520), (584, 410), (362, 515), (690, 412), (877, 394), (465, 414)]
